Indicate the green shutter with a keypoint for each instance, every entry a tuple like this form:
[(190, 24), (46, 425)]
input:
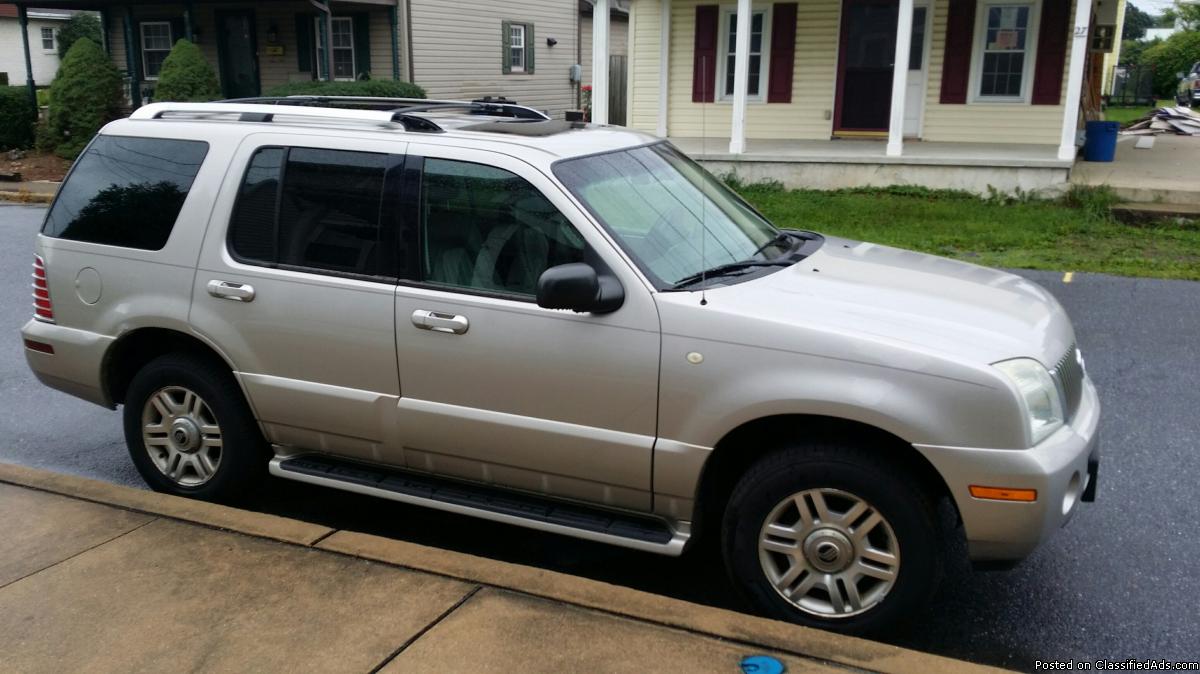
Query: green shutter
[(304, 43), (529, 48), (362, 46), (505, 57)]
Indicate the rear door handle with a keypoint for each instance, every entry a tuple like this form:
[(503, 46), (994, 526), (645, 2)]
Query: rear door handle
[(238, 292), (439, 322)]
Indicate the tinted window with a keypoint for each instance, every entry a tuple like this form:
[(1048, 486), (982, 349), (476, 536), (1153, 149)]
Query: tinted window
[(126, 191), (328, 215), (488, 229)]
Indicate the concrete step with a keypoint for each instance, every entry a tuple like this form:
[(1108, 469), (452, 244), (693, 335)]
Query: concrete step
[(1142, 212)]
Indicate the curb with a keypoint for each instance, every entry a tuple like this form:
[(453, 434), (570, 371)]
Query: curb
[(26, 197), (595, 595)]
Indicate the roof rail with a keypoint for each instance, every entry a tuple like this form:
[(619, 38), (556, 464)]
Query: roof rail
[(251, 112), (484, 106)]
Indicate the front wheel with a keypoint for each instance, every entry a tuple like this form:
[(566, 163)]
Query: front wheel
[(831, 536), (190, 431)]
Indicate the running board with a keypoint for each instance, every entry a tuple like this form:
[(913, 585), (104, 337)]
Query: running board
[(490, 503)]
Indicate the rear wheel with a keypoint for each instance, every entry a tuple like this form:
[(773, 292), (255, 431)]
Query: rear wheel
[(830, 536), (190, 431)]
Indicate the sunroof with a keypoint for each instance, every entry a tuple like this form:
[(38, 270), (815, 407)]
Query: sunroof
[(525, 127)]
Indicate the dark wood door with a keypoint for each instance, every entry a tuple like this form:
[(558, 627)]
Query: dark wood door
[(237, 52), (865, 57)]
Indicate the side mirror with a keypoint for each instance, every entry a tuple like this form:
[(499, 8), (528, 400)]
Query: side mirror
[(578, 287)]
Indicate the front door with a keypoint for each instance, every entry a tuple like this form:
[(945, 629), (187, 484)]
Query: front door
[(868, 48), (918, 66), (237, 52), (495, 388)]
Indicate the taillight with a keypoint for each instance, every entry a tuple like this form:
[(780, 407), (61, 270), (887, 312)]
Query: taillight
[(43, 310)]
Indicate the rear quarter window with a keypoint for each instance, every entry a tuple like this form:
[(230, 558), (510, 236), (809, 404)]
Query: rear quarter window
[(126, 191)]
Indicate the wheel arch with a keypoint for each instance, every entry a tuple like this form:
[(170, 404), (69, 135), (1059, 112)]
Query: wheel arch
[(742, 446), (134, 349)]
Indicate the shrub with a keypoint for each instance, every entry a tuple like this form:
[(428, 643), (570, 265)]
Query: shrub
[(380, 88), (79, 25), (186, 76), (1173, 55), (85, 95), (16, 118)]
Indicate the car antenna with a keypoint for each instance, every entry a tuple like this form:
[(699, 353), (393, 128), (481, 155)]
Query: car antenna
[(703, 182)]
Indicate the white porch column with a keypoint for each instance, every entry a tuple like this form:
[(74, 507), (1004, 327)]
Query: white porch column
[(741, 78), (895, 144), (1076, 58), (600, 17), (664, 66)]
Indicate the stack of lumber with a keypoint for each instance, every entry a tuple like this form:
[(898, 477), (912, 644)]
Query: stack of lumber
[(1177, 120)]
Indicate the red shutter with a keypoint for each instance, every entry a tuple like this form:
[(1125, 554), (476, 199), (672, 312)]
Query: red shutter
[(1053, 38), (783, 52), (704, 58), (956, 61)]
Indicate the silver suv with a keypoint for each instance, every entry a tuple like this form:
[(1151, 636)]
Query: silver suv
[(560, 326)]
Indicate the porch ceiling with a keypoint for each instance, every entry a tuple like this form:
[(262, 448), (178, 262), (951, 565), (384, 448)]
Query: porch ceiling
[(855, 151)]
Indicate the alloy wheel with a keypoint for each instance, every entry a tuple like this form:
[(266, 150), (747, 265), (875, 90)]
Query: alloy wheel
[(182, 436), (829, 553)]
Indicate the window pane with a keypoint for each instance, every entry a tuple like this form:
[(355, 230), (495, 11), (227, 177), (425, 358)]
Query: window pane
[(516, 35), (518, 57), (343, 64), (343, 33), (756, 44), (1002, 73), (488, 229), (252, 227), (329, 213), (126, 191), (916, 48), (156, 36), (755, 69), (154, 61)]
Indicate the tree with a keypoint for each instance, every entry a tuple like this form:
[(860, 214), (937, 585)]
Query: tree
[(1184, 14), (81, 24), (1170, 57), (1136, 23), (186, 76), (85, 95), (16, 118), (1132, 50)]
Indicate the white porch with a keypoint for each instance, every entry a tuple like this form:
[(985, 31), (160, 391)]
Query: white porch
[(835, 164), (791, 135)]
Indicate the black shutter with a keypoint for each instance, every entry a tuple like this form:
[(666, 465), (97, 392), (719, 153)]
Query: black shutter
[(177, 30), (304, 43), (505, 57), (362, 45), (529, 48)]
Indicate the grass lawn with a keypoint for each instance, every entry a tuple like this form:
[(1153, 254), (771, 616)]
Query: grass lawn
[(1127, 114), (1073, 234)]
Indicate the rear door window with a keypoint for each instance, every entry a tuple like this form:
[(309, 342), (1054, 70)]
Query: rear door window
[(126, 191), (317, 209)]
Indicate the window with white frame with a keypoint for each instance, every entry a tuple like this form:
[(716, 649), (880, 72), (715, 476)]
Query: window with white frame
[(1004, 58), (342, 38), (47, 39), (156, 44), (758, 47), (516, 47)]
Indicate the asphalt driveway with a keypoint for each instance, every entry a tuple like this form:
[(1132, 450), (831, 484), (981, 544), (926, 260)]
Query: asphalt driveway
[(1122, 581)]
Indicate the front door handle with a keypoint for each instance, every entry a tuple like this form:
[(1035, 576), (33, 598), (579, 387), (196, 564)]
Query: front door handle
[(238, 292), (439, 322)]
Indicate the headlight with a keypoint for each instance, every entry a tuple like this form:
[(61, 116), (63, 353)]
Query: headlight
[(1039, 394)]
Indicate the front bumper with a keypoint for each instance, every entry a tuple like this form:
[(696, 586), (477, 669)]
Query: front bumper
[(1062, 468)]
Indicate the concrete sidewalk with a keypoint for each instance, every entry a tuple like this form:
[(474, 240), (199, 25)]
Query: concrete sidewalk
[(29, 192), (96, 577)]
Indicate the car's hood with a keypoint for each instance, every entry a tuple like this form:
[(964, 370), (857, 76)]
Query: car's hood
[(933, 304)]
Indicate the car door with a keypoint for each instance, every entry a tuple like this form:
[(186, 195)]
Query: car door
[(298, 290), (495, 388)]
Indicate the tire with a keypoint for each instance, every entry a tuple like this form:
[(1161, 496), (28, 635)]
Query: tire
[(211, 450), (840, 475)]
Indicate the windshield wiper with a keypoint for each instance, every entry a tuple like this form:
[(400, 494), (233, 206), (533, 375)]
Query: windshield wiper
[(725, 269), (779, 238)]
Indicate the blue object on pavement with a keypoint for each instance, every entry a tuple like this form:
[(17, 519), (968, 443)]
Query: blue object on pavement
[(762, 664), (1100, 143)]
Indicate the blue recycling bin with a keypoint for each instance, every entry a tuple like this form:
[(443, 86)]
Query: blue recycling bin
[(1100, 141)]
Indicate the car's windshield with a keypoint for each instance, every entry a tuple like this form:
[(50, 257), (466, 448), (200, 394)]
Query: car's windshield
[(674, 217)]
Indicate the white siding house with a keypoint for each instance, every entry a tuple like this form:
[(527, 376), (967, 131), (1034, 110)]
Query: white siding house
[(43, 46)]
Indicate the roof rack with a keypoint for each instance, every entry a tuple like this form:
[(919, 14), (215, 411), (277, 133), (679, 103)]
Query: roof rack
[(250, 112), (481, 106)]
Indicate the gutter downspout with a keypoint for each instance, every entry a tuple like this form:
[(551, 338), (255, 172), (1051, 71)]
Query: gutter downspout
[(393, 19), (408, 38), (325, 37), (23, 19), (132, 64)]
